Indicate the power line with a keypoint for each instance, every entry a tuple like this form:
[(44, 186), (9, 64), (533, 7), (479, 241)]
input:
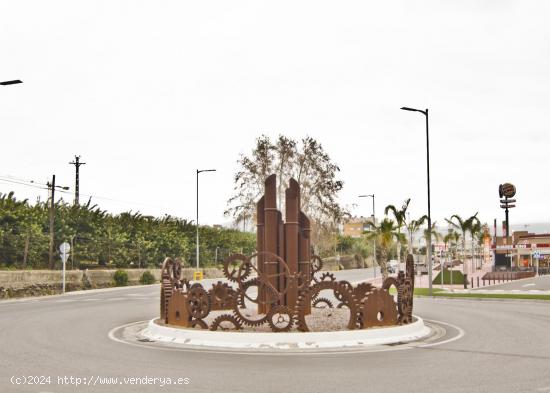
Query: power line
[(32, 183), (23, 184)]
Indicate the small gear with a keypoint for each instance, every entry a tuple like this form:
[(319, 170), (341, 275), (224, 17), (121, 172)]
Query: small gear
[(280, 319), (198, 302), (348, 287), (316, 264), (225, 322), (220, 292), (198, 323), (235, 271), (326, 276), (322, 302)]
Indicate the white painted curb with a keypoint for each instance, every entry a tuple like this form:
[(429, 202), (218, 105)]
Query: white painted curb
[(310, 340)]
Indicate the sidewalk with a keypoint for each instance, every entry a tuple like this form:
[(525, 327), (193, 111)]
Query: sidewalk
[(421, 281)]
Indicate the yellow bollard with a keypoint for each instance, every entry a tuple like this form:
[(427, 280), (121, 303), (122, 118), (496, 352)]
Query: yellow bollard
[(197, 275)]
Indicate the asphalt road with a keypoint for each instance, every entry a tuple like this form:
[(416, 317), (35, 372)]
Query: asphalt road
[(541, 283), (506, 348)]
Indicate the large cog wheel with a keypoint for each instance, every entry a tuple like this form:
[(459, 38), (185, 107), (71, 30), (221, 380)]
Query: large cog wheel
[(225, 322), (305, 297)]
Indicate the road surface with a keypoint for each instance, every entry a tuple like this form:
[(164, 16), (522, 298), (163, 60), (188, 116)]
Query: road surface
[(506, 348)]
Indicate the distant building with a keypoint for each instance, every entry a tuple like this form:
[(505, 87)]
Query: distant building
[(525, 251), (356, 226)]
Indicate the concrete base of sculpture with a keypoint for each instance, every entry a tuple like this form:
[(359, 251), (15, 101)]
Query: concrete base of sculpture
[(157, 331)]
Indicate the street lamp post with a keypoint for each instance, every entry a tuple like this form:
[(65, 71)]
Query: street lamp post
[(429, 239), (374, 262), (199, 171), (14, 82)]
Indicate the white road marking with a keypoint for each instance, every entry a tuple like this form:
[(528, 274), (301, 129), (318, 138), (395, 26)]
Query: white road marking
[(528, 285), (65, 301), (90, 300)]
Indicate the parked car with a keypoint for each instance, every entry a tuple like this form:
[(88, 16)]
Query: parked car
[(393, 266)]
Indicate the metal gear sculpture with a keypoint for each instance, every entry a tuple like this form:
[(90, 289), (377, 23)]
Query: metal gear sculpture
[(282, 281)]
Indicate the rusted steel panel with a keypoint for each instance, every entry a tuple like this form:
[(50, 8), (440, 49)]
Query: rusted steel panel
[(271, 231), (260, 246), (292, 196)]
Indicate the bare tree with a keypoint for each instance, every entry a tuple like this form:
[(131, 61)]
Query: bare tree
[(304, 160)]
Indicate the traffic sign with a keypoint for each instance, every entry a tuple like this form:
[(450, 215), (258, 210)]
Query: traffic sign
[(64, 248), (64, 257), (536, 254)]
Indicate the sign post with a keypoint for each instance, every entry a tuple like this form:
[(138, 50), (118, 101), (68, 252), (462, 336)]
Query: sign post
[(536, 255), (64, 250)]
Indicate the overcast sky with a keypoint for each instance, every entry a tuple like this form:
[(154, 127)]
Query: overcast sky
[(149, 91)]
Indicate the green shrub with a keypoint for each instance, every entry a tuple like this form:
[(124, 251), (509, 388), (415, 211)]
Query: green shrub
[(147, 278), (121, 278), (458, 278)]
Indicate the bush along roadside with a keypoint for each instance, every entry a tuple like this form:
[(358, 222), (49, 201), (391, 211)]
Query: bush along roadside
[(147, 278), (121, 278)]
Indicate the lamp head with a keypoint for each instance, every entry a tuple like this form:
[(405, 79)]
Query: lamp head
[(14, 82)]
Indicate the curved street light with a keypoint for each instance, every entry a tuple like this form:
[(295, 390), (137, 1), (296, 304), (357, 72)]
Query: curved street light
[(199, 171), (429, 239), (374, 261)]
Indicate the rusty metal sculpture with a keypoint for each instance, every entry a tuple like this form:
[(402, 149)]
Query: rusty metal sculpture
[(282, 281)]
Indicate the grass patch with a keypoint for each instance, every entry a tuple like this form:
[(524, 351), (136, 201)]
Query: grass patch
[(442, 293), (418, 291), (458, 278)]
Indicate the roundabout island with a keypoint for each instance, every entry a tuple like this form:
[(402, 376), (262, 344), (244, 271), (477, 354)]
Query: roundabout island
[(278, 298)]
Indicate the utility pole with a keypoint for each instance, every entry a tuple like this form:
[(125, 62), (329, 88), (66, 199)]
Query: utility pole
[(77, 164), (51, 187)]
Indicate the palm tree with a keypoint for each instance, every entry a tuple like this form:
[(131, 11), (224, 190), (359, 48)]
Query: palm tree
[(461, 226), (435, 235), (412, 227), (384, 234), (400, 219), (474, 229), (464, 226), (451, 237)]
